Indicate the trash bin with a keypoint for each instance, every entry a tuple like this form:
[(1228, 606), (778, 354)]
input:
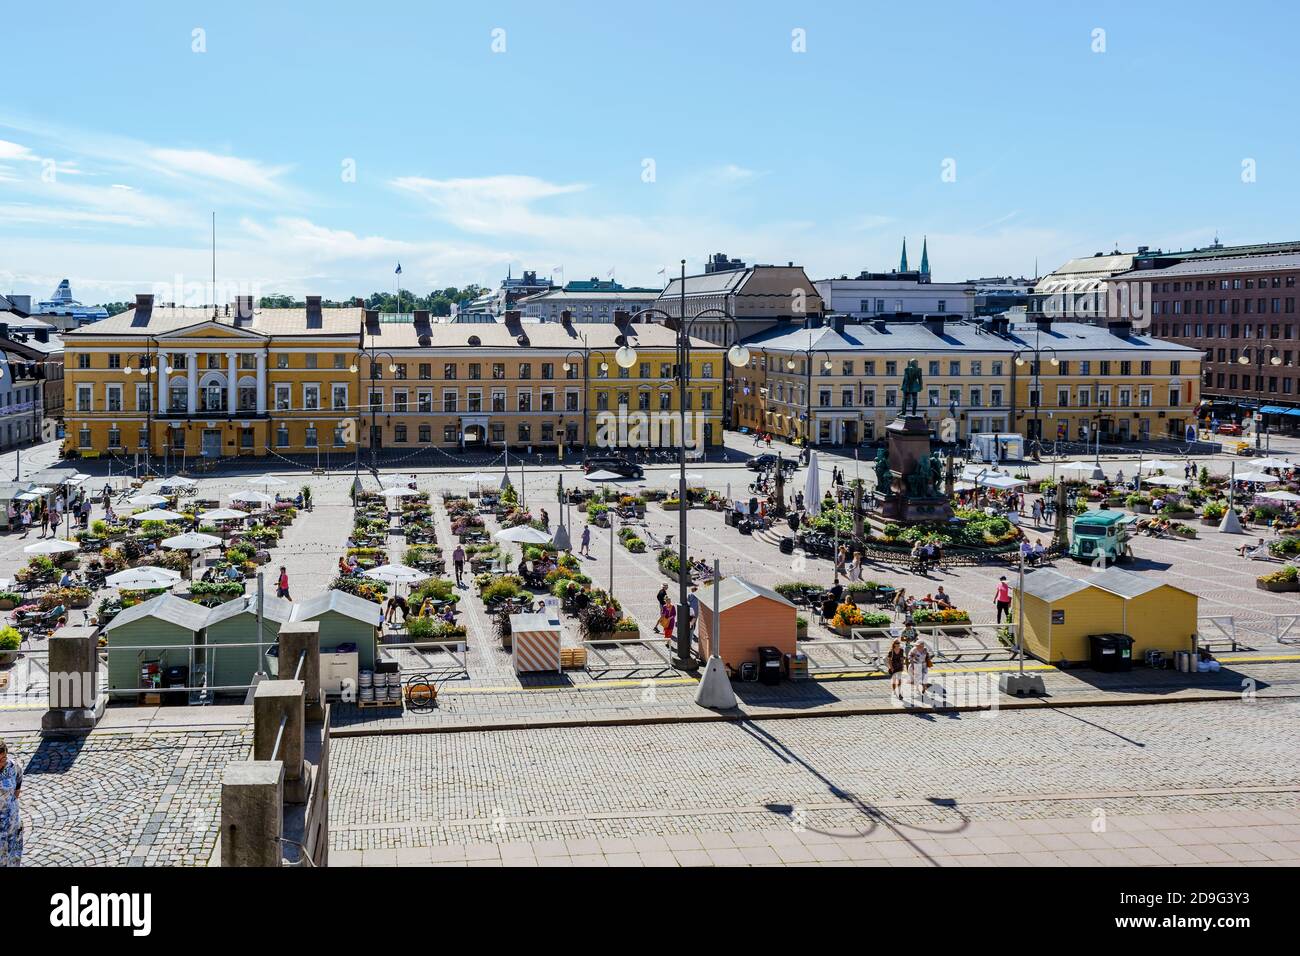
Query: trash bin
[(769, 665), (793, 522), (1111, 652), (178, 676)]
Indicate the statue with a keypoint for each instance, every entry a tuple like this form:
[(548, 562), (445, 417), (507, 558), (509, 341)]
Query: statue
[(918, 482), (936, 473), (884, 476), (912, 386)]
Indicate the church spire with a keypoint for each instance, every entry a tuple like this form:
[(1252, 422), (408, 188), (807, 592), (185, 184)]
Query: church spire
[(925, 256), (902, 265)]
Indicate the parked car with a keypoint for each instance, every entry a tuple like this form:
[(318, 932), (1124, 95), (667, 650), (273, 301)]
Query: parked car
[(767, 461), (618, 465), (1229, 428)]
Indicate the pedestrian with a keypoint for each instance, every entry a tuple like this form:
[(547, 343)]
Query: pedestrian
[(669, 617), (397, 603), (11, 821), (841, 559), (693, 602), (458, 562), (45, 522), (26, 521), (1002, 599), (282, 587), (546, 520), (1038, 511), (895, 663), (661, 598), (585, 550), (855, 572), (920, 659)]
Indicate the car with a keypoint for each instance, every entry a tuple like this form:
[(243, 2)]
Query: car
[(767, 461), (619, 466), (1230, 428)]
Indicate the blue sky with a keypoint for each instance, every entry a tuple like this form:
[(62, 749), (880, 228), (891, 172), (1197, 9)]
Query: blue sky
[(118, 140)]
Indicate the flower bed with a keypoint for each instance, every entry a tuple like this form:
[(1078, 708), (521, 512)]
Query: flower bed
[(942, 617), (1283, 579)]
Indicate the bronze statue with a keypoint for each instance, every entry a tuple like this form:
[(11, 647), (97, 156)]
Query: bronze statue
[(884, 476), (912, 386), (936, 473), (918, 482)]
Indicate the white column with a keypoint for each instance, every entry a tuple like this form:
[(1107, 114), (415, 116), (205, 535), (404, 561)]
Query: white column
[(232, 382), (261, 383), (162, 383), (192, 365)]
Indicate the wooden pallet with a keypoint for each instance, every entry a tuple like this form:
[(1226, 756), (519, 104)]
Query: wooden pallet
[(364, 704), (573, 658)]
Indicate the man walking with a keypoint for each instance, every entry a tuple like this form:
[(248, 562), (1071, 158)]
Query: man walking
[(661, 598), (458, 562), (282, 586), (585, 549)]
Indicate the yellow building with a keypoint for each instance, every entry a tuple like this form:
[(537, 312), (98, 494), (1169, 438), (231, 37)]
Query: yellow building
[(840, 384), (1061, 612), (254, 382)]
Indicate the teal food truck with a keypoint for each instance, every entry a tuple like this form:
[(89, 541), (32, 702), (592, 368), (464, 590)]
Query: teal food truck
[(1103, 534)]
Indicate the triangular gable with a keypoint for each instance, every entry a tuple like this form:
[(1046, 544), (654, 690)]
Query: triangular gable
[(210, 329)]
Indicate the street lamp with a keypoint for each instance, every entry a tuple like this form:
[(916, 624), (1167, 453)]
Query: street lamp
[(827, 366), (1018, 361), (585, 354), (145, 370), (1274, 359), (737, 356)]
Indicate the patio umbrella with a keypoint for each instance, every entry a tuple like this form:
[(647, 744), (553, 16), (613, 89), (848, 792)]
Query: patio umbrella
[(40, 490), (812, 486), (1158, 465), (267, 480), (1079, 466), (1166, 481), (52, 546), (1256, 478), (176, 481), (1262, 463), (395, 574), (222, 514), (602, 475), (999, 481), (191, 541), (75, 479), (400, 493), (253, 497), (157, 514), (694, 476), (1279, 496), (142, 578), (146, 500), (477, 477), (524, 534)]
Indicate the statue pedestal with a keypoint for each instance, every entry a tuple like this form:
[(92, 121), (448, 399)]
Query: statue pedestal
[(909, 446)]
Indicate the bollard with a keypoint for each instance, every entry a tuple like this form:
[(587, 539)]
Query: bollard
[(252, 813), (274, 702), (74, 702), (296, 637)]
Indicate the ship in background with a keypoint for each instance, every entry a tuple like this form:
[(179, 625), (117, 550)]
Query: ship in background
[(61, 311)]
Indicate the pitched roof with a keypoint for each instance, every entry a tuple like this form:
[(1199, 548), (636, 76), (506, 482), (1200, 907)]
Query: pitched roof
[(165, 607), (159, 320), (1196, 267), (734, 591), (349, 605), (1127, 584), (1049, 585), (493, 337), (273, 608)]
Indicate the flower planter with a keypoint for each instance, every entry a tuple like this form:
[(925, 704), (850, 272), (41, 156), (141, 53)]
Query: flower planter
[(1183, 515), (1211, 522), (8, 657), (7, 605), (1277, 586), (801, 632), (79, 602), (1142, 509)]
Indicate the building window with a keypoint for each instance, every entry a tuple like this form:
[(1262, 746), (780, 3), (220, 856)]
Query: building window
[(339, 397), (425, 399), (449, 401), (311, 397), (282, 436), (399, 433), (449, 371), (310, 439), (525, 432), (282, 398)]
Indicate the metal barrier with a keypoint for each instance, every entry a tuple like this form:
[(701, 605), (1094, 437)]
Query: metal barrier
[(450, 660), (846, 655), (627, 658), (1226, 631), (866, 649)]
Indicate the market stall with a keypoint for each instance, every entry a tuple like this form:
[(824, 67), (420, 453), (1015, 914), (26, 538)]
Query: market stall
[(752, 617)]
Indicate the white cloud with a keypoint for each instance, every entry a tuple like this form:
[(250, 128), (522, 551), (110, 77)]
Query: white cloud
[(214, 166), (491, 205), (9, 151)]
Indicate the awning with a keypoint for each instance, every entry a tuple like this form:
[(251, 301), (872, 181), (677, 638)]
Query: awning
[(1293, 411), (1273, 410)]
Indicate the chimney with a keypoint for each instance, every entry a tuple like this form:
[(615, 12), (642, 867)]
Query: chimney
[(143, 301), (622, 318), (837, 322), (1123, 328), (372, 321), (998, 325), (42, 335), (1043, 322), (566, 319), (514, 322), (315, 319), (243, 308), (880, 326), (934, 323)]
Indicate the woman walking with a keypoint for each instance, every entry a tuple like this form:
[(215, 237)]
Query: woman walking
[(585, 549), (11, 823), (855, 573), (661, 599), (1002, 599), (669, 619), (282, 586), (895, 664), (920, 660)]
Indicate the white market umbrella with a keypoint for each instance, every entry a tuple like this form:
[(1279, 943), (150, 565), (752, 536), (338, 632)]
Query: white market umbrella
[(51, 546), (477, 478), (694, 476), (40, 490), (157, 514), (999, 481), (267, 481), (812, 486), (1262, 463), (1256, 478), (1279, 496), (400, 493), (177, 481), (142, 578), (191, 541), (395, 574), (222, 514), (1079, 466), (1166, 481), (253, 497), (75, 479), (146, 501), (602, 475), (1158, 465), (524, 534)]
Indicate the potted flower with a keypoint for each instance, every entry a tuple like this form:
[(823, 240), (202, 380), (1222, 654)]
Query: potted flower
[(1213, 512), (800, 627), (9, 600), (10, 641), (1283, 579)]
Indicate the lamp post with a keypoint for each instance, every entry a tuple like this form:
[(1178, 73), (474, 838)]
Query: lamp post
[(1018, 361), (1274, 359), (827, 366), (145, 370), (737, 355), (585, 353)]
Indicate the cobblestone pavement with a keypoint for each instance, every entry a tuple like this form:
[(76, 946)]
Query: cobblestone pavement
[(124, 799), (849, 775)]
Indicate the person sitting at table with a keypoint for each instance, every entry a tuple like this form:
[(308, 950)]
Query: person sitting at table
[(209, 574), (350, 543), (344, 569), (448, 614), (1040, 553), (1026, 551), (66, 581), (941, 600), (233, 573)]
